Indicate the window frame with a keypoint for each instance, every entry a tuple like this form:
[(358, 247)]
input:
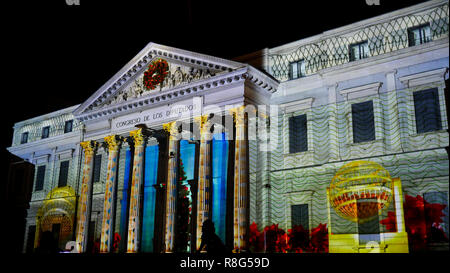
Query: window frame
[(410, 112), (351, 56), (438, 110), (36, 181), (309, 126), (66, 175), (298, 198), (22, 137), (420, 28), (71, 126), (352, 122), (45, 129), (96, 163), (307, 212), (299, 74), (307, 138)]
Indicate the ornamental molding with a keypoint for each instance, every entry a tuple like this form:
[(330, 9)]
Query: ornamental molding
[(297, 105), (361, 91), (427, 77), (190, 74)]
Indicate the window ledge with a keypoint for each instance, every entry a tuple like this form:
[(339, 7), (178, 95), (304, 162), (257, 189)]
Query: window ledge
[(299, 153), (365, 143), (361, 91), (428, 133)]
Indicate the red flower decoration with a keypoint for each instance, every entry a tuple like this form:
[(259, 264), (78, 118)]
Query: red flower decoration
[(422, 222), (155, 74)]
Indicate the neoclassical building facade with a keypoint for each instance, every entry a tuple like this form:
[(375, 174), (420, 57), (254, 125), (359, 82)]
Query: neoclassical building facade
[(340, 129)]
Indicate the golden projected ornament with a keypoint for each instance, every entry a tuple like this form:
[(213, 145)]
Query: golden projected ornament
[(361, 190)]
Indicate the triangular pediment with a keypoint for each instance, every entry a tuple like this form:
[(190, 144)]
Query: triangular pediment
[(187, 72), (185, 67)]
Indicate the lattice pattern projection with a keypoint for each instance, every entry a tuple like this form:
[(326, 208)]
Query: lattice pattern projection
[(381, 38), (56, 124), (418, 159)]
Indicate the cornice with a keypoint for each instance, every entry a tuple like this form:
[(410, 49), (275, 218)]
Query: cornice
[(426, 77), (64, 111), (44, 143)]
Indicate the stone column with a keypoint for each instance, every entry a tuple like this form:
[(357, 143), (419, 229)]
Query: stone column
[(240, 181), (109, 204), (204, 176), (84, 205), (171, 194), (135, 196)]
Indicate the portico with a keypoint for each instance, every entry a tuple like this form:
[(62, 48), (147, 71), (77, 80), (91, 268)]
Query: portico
[(199, 104)]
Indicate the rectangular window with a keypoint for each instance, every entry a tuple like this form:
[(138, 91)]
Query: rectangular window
[(297, 69), (419, 35), (45, 132), (68, 126), (428, 114), (298, 134), (24, 138), (359, 51), (299, 216), (97, 167), (40, 176), (363, 122), (63, 173)]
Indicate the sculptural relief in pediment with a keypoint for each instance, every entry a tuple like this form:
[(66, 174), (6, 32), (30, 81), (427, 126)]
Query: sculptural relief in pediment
[(177, 75)]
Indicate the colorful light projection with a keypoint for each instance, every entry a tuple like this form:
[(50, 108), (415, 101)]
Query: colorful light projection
[(219, 182), (57, 208), (361, 190), (184, 197), (124, 202), (150, 180)]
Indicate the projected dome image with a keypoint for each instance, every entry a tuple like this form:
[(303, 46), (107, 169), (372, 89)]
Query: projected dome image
[(360, 190)]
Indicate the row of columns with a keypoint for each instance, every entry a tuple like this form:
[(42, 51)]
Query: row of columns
[(204, 186)]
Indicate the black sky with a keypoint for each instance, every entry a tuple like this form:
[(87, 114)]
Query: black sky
[(56, 55)]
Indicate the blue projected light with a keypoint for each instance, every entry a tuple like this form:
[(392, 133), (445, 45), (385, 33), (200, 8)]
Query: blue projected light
[(219, 181), (187, 156), (123, 202), (150, 179)]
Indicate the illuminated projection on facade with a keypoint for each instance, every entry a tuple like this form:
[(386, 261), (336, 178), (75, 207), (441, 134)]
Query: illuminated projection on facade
[(334, 143)]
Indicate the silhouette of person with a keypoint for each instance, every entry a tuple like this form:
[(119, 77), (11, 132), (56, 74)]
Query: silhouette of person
[(210, 239)]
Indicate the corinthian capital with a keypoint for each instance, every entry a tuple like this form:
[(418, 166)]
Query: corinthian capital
[(89, 147), (113, 142), (171, 128), (202, 121), (138, 137), (238, 114)]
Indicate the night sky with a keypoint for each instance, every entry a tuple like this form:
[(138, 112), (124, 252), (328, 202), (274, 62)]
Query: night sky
[(58, 55)]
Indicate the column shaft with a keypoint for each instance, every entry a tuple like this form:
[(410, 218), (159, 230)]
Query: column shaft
[(171, 193), (106, 240), (240, 181), (204, 182), (85, 196), (135, 196)]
